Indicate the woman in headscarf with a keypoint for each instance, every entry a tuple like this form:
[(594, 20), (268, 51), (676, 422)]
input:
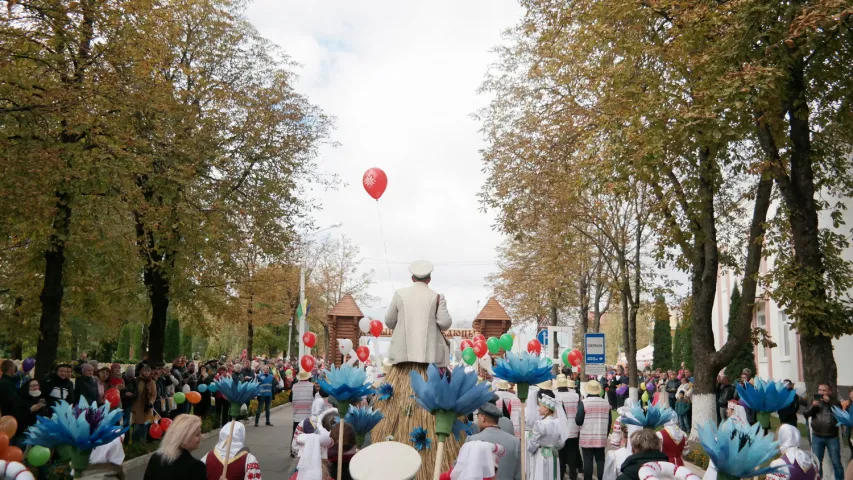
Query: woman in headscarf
[(546, 440), (143, 403), (29, 407), (674, 442), (737, 413), (476, 461), (311, 465), (242, 465), (802, 464)]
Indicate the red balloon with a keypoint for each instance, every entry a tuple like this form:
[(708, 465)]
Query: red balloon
[(375, 182), (465, 344), (13, 454), (307, 363), (309, 339), (112, 396), (165, 423), (363, 353), (480, 349), (155, 431), (376, 328), (479, 338), (244, 353), (534, 347), (575, 358)]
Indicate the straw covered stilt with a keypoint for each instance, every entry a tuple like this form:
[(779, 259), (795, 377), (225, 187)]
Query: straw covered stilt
[(403, 414)]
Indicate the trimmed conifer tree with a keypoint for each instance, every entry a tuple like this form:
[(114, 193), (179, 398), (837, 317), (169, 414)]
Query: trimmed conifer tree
[(661, 336), (745, 358)]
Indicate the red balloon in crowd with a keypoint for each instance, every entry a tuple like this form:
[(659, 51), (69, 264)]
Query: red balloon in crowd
[(479, 338), (165, 423), (112, 396), (244, 353), (480, 349), (375, 182), (13, 454), (307, 363), (376, 328), (309, 339), (575, 358), (155, 431), (465, 344), (363, 353), (534, 347)]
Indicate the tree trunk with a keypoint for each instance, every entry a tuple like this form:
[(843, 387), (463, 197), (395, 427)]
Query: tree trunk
[(53, 289), (818, 362), (158, 293), (143, 344), (250, 332)]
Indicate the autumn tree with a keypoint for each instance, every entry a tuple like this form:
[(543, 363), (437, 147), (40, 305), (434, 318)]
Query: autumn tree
[(662, 338)]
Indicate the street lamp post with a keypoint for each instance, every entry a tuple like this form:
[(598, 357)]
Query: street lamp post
[(302, 299)]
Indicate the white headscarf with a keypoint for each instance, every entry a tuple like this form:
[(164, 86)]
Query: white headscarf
[(112, 452), (477, 460), (675, 433), (789, 445), (236, 441), (310, 465)]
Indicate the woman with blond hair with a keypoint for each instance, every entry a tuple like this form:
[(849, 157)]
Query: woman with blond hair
[(173, 459)]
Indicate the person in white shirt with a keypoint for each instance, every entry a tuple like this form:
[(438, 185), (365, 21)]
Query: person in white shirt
[(568, 398)]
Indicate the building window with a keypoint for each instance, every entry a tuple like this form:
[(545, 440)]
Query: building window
[(761, 322), (784, 334)]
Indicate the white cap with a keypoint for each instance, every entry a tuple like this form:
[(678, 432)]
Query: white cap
[(385, 461), (421, 269)]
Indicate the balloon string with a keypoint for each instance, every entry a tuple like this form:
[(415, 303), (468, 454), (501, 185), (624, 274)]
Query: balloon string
[(385, 245)]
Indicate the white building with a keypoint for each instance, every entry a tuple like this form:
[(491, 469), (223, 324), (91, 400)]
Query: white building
[(784, 360)]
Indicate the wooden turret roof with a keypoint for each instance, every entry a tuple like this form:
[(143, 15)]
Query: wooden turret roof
[(346, 307), (493, 311)]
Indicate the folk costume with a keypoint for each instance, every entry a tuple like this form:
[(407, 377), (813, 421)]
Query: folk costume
[(570, 454), (310, 466), (509, 401), (545, 441), (674, 443), (242, 465), (802, 464)]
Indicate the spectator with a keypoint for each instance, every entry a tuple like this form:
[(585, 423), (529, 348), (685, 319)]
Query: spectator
[(173, 459), (646, 447), (725, 392), (683, 409), (128, 394), (59, 386), (221, 403), (266, 380), (143, 404), (824, 429), (246, 374), (788, 414), (594, 419), (672, 385), (29, 406), (8, 393), (104, 375), (87, 385), (78, 368)]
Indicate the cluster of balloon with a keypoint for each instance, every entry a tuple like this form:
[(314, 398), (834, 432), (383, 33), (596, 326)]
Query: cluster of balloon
[(571, 358), (15, 469), (373, 327), (307, 363), (534, 347), (113, 397), (309, 339), (480, 347), (375, 182), (158, 428), (9, 454)]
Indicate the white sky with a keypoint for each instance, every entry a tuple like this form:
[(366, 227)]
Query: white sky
[(401, 79)]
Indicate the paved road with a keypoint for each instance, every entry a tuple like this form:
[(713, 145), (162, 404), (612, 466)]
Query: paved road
[(271, 446)]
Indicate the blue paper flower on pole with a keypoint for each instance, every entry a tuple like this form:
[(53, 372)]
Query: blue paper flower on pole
[(76, 430), (237, 393), (765, 398), (385, 391), (524, 370), (449, 396), (844, 418), (420, 438), (346, 385), (739, 450), (363, 419), (653, 418)]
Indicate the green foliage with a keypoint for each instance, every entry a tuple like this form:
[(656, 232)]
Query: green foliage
[(662, 336), (123, 350), (172, 347), (677, 346), (135, 341), (687, 344), (745, 357), (187, 343)]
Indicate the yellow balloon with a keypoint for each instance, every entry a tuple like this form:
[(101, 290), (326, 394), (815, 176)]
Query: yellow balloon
[(642, 386)]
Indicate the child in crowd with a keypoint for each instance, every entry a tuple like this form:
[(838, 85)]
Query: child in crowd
[(683, 408)]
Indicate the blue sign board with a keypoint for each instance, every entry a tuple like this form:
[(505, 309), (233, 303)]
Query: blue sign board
[(542, 336), (594, 346)]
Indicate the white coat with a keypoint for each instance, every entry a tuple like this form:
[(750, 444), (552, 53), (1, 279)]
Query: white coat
[(418, 315)]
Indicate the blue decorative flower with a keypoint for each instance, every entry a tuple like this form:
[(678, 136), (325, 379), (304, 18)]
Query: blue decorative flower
[(844, 418), (458, 393), (237, 392), (765, 396), (739, 450), (386, 391), (363, 419), (523, 368), (346, 384), (420, 438), (460, 427), (653, 418), (82, 427)]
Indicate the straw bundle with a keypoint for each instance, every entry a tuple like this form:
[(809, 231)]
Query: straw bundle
[(402, 415)]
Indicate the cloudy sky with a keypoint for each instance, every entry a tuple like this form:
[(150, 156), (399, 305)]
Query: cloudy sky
[(401, 80)]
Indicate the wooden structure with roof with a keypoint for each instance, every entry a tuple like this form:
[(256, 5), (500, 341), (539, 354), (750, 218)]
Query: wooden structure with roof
[(343, 323), (492, 321)]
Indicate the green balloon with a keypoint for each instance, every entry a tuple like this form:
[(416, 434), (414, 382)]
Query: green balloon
[(506, 342), (180, 398), (645, 396), (468, 356), (494, 345), (565, 357), (38, 456)]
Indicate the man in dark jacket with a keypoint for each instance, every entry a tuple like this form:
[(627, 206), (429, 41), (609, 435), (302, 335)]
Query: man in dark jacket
[(86, 386), (824, 429), (672, 387), (646, 447), (59, 386), (789, 413), (8, 394), (725, 392)]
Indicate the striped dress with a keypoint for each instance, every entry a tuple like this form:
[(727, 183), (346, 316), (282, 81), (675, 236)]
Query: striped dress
[(303, 395)]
